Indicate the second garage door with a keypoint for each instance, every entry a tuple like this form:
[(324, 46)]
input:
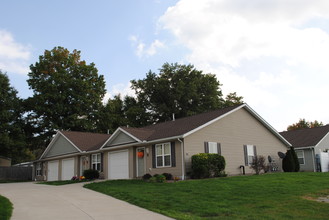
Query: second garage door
[(67, 169), (118, 165)]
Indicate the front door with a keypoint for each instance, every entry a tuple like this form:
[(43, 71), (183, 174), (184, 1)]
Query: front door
[(140, 158), (84, 164)]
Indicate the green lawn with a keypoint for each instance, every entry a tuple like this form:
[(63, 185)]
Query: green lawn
[(6, 208), (269, 196)]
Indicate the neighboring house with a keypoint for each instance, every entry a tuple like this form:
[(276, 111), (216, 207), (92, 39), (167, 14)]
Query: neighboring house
[(69, 154), (238, 133), (311, 146), (5, 161)]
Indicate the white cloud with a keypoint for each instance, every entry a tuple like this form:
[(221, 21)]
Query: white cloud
[(117, 89), (142, 50), (271, 52), (13, 55)]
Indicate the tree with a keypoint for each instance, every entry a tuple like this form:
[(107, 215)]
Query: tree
[(295, 158), (67, 93), (302, 123), (12, 137), (290, 162), (178, 89), (111, 115), (233, 99), (135, 113)]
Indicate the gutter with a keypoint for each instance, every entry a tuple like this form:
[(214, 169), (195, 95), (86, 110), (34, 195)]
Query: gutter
[(183, 158)]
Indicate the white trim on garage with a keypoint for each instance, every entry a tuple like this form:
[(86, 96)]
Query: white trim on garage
[(118, 164), (52, 174), (67, 168)]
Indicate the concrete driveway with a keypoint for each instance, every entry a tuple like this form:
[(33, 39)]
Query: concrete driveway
[(38, 201)]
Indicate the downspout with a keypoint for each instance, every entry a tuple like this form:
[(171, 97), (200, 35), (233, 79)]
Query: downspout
[(183, 158), (313, 156)]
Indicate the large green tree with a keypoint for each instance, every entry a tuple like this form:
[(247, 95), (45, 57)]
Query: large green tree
[(177, 89), (302, 123), (111, 115), (12, 135), (67, 93)]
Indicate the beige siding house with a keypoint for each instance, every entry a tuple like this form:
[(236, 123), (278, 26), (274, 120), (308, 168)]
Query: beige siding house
[(238, 133)]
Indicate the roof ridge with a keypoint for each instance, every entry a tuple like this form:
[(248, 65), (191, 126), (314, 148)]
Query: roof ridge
[(85, 132), (195, 115), (303, 129)]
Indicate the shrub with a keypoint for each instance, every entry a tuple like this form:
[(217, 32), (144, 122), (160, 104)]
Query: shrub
[(258, 164), (160, 178), (168, 176), (153, 179), (288, 163), (91, 174), (147, 176), (157, 178), (296, 161), (205, 165)]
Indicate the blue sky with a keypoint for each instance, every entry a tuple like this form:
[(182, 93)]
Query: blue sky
[(274, 53)]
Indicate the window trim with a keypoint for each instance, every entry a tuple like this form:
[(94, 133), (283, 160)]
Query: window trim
[(163, 155), (301, 157), (215, 146), (247, 151), (96, 161), (218, 147)]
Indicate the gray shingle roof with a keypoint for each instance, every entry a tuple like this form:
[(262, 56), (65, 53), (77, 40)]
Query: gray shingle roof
[(86, 141), (306, 137), (178, 127)]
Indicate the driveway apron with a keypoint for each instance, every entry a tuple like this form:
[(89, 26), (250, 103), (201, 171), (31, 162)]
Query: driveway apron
[(38, 201)]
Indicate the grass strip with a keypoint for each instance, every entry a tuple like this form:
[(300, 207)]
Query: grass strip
[(269, 196)]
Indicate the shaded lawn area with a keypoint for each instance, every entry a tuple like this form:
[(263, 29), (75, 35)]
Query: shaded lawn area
[(14, 181), (6, 208), (62, 182), (269, 196)]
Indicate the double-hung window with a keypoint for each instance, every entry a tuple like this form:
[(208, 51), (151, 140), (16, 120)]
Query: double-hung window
[(250, 153), (300, 156), (163, 155), (96, 161), (212, 147)]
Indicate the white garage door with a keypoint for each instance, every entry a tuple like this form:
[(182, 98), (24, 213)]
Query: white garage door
[(52, 170), (67, 169), (118, 165)]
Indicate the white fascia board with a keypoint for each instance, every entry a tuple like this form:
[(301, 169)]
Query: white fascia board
[(104, 143), (59, 157), (300, 148), (50, 144), (122, 146), (322, 139), (58, 134), (212, 121), (115, 134), (70, 142), (163, 139), (266, 124)]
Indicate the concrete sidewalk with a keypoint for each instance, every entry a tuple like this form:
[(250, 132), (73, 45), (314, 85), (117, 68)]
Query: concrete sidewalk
[(38, 201)]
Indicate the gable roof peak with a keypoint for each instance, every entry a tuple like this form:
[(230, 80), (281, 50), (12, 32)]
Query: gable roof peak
[(306, 137)]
